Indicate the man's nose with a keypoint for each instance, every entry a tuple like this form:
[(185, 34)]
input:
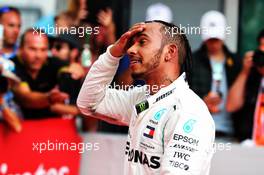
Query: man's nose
[(16, 30), (39, 54), (132, 50)]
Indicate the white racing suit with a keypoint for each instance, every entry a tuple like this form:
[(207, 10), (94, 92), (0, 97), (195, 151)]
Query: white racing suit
[(171, 132)]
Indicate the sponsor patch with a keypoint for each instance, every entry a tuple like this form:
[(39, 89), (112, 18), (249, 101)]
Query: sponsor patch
[(142, 106), (188, 126), (186, 139), (149, 132), (159, 114), (146, 146), (179, 165)]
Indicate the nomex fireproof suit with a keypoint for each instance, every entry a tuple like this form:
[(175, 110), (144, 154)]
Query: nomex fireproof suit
[(171, 132)]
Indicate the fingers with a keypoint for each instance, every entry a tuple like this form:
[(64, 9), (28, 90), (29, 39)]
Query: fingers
[(138, 24), (249, 54), (106, 12), (102, 16), (138, 27), (212, 99), (120, 47), (109, 11), (216, 100), (76, 71), (58, 96), (105, 17), (128, 35), (248, 61)]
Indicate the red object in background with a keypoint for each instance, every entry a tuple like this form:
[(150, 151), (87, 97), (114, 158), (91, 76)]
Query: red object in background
[(24, 152), (258, 130)]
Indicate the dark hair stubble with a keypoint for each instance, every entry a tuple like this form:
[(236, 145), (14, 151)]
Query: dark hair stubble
[(152, 65)]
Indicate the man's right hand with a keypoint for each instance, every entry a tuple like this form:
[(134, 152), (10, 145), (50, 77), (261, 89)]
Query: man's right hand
[(247, 62), (56, 96), (121, 45), (212, 100)]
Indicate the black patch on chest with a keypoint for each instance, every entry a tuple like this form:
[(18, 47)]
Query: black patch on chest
[(142, 106)]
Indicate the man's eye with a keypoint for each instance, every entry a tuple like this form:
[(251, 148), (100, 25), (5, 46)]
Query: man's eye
[(142, 42)]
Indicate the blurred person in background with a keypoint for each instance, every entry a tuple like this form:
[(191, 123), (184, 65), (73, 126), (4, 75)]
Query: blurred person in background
[(99, 15), (10, 23), (248, 87), (65, 19), (9, 111), (72, 16), (79, 10), (38, 93), (11, 20), (106, 34), (214, 71), (99, 21), (66, 48)]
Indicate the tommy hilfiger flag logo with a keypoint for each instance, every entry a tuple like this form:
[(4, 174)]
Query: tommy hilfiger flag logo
[(149, 132)]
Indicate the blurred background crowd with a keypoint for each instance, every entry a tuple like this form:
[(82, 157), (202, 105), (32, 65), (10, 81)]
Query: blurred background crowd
[(41, 74)]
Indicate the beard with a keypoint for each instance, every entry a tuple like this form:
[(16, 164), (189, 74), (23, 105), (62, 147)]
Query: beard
[(149, 67)]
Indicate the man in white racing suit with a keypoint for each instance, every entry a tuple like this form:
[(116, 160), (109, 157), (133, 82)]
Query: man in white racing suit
[(170, 128)]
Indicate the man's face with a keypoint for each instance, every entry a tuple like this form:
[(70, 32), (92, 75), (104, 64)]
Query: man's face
[(12, 23), (34, 52), (61, 50), (214, 45), (145, 51)]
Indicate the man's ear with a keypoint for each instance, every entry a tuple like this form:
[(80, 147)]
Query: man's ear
[(172, 52)]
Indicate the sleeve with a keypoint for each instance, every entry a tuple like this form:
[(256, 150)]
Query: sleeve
[(96, 96), (188, 144)]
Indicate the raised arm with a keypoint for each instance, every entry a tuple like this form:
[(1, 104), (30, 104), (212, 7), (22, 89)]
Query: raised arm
[(96, 96), (37, 100), (236, 94)]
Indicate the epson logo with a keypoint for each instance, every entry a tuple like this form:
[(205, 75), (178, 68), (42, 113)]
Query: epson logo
[(186, 139), (140, 157), (180, 155), (164, 95)]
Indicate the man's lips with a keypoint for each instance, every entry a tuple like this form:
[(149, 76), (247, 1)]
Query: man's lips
[(135, 61)]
